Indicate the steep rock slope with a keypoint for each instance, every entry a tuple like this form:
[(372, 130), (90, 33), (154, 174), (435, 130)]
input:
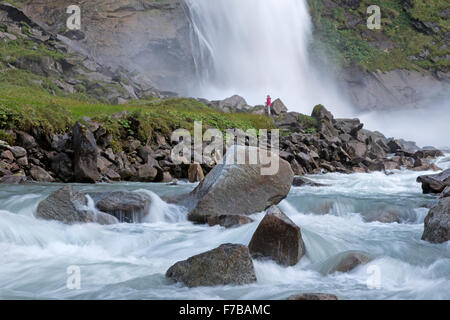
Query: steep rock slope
[(149, 36), (405, 64)]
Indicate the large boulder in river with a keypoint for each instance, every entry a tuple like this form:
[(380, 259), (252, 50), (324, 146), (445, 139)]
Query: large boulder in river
[(278, 238), (85, 154), (69, 206), (437, 223), (345, 262), (129, 207), (239, 189), (227, 264), (435, 183), (303, 182)]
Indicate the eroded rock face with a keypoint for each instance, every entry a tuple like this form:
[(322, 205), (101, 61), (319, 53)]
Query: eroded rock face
[(220, 193), (277, 238), (129, 207), (151, 36), (225, 265), (437, 223), (69, 206)]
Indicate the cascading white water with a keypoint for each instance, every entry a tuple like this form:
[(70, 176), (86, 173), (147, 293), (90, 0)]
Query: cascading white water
[(129, 261), (254, 48)]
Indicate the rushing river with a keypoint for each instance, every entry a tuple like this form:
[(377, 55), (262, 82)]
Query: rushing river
[(128, 261)]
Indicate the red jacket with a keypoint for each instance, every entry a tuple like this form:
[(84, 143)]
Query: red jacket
[(269, 102)]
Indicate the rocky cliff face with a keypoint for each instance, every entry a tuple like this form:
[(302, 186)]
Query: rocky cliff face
[(404, 64), (149, 36)]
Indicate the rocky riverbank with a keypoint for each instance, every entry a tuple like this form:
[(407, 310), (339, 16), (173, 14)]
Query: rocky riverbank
[(310, 144), (437, 222)]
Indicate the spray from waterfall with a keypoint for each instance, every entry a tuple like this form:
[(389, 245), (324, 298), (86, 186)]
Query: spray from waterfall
[(254, 48)]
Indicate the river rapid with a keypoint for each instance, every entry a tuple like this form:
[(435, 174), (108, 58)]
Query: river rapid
[(129, 261)]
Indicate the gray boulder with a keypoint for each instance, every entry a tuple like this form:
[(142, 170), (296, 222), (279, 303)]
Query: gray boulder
[(437, 223), (129, 207), (345, 262), (302, 181), (40, 174), (221, 192), (277, 238), (70, 207), (85, 154), (278, 107), (435, 183), (225, 265), (232, 104)]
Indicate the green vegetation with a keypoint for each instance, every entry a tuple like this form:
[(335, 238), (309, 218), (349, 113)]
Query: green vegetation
[(23, 107), (309, 123), (403, 42), (30, 98)]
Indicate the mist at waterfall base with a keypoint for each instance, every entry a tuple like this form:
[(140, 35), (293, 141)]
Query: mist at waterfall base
[(428, 126), (129, 261), (254, 48)]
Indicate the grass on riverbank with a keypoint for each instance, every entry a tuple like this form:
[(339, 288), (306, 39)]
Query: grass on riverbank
[(27, 100)]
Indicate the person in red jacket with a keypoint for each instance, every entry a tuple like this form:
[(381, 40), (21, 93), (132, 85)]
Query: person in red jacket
[(268, 104)]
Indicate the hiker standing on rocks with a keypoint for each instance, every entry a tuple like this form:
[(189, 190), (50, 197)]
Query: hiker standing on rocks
[(268, 104)]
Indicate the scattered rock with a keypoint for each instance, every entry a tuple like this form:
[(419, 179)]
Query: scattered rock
[(13, 179), (39, 174), (85, 154), (385, 217), (225, 265), (313, 296), (435, 183), (129, 207), (302, 181), (345, 262), (278, 238), (278, 107), (146, 173), (7, 155), (229, 221), (437, 223), (195, 173), (18, 152), (220, 193), (69, 206)]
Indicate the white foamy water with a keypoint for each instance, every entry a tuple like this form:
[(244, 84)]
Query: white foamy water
[(254, 48), (129, 261)]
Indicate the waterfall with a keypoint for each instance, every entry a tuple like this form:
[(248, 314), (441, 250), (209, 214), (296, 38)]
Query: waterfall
[(258, 47)]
